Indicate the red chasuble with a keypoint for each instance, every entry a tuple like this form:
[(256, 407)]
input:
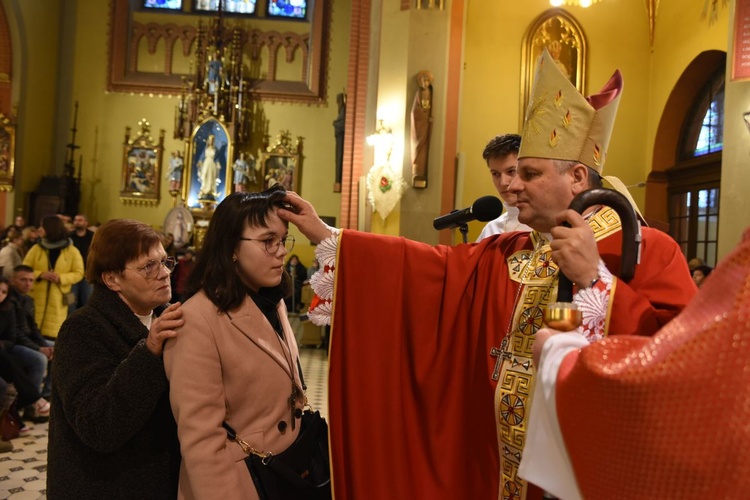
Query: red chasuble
[(667, 416), (411, 405)]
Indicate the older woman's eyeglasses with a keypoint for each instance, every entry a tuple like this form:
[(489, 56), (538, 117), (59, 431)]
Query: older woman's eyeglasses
[(273, 242), (153, 267)]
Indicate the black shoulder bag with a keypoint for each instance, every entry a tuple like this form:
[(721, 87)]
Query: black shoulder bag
[(302, 471)]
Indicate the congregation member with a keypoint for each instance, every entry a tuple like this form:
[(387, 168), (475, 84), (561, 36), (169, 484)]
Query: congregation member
[(440, 341), (700, 274), (81, 237), (661, 392), (111, 431), (501, 155), (12, 253), (57, 265), (236, 360), (22, 282), (19, 348)]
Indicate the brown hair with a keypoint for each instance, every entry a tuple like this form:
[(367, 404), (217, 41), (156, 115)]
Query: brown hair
[(54, 229), (13, 234), (215, 272), (501, 146), (115, 243)]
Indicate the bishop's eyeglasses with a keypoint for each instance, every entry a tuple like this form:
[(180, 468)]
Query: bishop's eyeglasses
[(153, 267), (273, 242)]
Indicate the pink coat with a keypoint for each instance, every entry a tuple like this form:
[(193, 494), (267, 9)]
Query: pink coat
[(229, 367)]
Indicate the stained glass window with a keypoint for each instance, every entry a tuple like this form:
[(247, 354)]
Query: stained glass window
[(704, 126), (163, 4), (295, 9), (232, 6), (694, 181)]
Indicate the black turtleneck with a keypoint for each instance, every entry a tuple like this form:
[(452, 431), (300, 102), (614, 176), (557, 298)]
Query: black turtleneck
[(267, 299)]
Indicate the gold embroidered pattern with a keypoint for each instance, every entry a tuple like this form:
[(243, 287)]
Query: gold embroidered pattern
[(536, 274)]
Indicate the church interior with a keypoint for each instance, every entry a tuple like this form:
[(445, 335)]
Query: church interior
[(98, 98)]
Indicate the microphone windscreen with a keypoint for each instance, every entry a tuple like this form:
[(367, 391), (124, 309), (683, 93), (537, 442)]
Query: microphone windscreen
[(487, 208)]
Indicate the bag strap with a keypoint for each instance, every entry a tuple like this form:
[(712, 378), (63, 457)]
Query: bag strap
[(267, 459)]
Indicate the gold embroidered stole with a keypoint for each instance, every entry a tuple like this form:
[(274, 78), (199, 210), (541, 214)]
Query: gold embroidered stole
[(537, 276)]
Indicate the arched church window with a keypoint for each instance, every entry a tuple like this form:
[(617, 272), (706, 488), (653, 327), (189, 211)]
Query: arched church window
[(704, 127), (695, 178)]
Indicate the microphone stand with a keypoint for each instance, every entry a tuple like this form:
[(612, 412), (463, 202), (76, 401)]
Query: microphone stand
[(464, 228)]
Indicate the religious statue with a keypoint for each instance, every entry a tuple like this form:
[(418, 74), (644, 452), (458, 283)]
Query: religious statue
[(243, 172), (174, 171), (421, 128), (208, 171), (338, 132), (214, 73)]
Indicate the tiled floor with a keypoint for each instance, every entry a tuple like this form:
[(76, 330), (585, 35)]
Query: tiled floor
[(23, 472)]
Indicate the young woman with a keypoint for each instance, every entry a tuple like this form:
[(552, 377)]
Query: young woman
[(236, 358)]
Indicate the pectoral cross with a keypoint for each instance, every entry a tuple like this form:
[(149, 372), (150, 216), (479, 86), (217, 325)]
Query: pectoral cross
[(500, 355)]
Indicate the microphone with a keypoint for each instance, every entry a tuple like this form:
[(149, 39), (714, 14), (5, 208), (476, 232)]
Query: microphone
[(484, 209)]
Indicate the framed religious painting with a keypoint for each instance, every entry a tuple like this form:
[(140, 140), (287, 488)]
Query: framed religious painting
[(142, 157), (7, 153), (179, 223), (281, 162), (208, 179), (558, 32)]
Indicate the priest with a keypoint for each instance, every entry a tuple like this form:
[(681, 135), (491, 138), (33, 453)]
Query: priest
[(431, 370), (681, 400)]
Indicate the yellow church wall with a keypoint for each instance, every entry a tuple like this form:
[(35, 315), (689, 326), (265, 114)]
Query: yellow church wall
[(735, 175), (35, 90), (680, 36), (103, 117), (617, 38)]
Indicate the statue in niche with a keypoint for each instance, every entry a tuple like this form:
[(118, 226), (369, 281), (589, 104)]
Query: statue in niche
[(421, 129), (208, 171), (338, 132), (244, 172), (214, 73), (174, 171)]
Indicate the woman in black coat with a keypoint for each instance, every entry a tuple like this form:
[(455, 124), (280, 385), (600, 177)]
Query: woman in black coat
[(112, 434)]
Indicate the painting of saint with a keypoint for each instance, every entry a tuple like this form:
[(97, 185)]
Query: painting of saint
[(141, 170), (280, 170)]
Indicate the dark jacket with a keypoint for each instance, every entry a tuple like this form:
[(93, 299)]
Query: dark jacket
[(27, 332), (8, 328), (111, 432)]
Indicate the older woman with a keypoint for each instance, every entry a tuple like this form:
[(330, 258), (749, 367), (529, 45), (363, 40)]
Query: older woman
[(57, 266), (236, 359), (112, 434)]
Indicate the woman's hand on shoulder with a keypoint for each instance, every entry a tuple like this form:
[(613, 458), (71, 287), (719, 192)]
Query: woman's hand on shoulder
[(302, 214), (164, 328)]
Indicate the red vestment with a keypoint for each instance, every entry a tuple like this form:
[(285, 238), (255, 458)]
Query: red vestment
[(410, 391), (667, 416)]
